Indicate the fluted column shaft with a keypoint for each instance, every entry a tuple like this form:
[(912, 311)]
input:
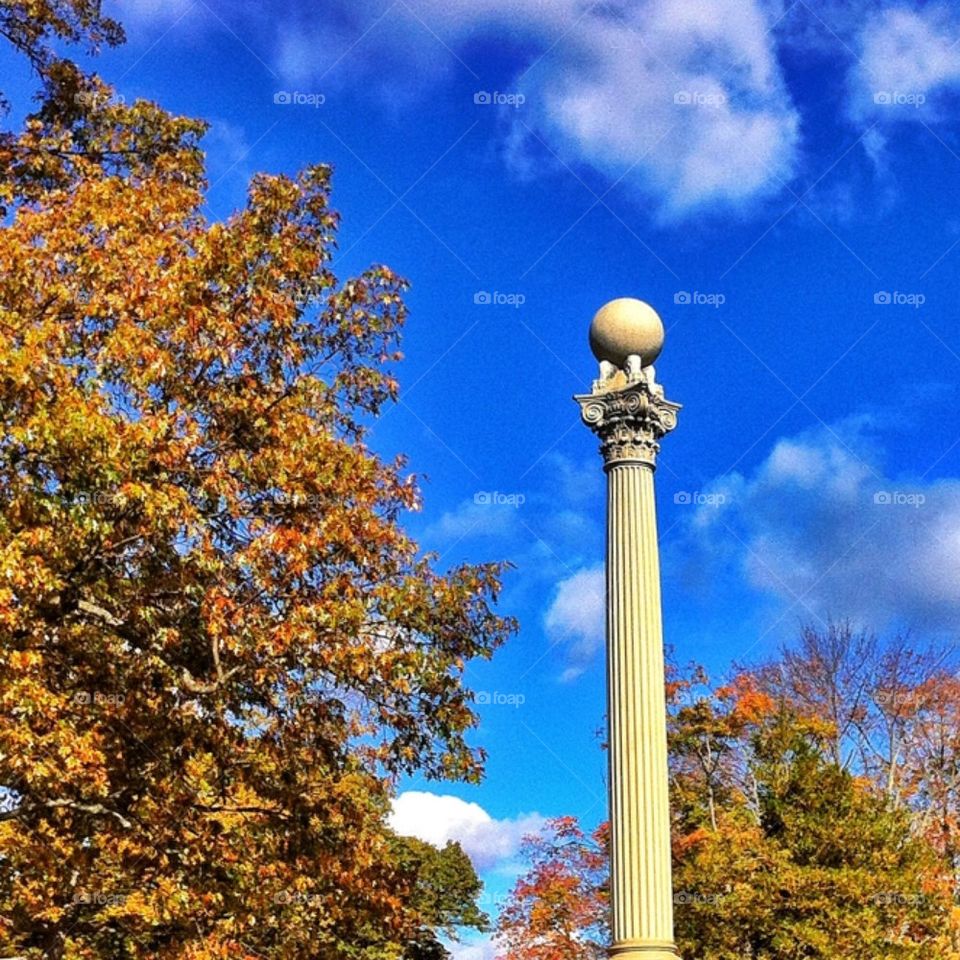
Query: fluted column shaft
[(629, 414), (641, 888)]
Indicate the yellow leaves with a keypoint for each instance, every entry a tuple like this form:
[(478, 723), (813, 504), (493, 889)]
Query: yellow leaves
[(24, 660), (187, 496), (200, 770)]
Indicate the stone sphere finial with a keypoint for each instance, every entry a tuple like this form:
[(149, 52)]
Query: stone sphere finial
[(626, 327)]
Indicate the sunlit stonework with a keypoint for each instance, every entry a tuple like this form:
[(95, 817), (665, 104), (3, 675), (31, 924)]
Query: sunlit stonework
[(628, 412)]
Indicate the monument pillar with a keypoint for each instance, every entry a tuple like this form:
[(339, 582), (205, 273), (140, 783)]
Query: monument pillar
[(628, 412)]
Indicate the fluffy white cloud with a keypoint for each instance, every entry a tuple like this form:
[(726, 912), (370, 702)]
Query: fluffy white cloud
[(684, 101), (820, 525), (437, 818), (576, 618), (482, 948), (906, 58)]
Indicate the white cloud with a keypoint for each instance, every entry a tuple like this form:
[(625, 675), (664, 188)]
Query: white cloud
[(140, 14), (228, 151), (437, 818), (906, 59), (576, 618), (578, 482), (822, 527), (472, 519), (601, 78), (455, 19), (684, 101), (874, 145), (601, 83), (483, 948)]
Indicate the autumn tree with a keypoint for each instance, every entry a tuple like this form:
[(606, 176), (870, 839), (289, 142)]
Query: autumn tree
[(780, 852), (558, 909), (867, 689), (811, 863), (932, 766), (707, 729), (892, 714), (218, 648), (445, 892)]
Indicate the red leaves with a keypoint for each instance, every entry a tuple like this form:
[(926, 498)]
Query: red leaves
[(558, 909)]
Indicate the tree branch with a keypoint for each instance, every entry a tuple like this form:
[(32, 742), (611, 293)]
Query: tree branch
[(97, 809)]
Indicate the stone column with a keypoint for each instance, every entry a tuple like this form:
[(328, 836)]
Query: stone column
[(628, 412)]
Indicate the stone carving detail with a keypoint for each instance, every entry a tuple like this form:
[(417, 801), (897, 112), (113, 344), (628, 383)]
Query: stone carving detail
[(629, 416)]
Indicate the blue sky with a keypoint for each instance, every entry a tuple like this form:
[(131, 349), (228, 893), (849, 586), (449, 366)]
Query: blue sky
[(781, 181)]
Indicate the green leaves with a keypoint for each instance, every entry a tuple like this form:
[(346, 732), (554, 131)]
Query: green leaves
[(779, 853)]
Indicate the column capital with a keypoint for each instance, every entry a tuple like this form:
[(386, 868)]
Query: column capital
[(628, 412)]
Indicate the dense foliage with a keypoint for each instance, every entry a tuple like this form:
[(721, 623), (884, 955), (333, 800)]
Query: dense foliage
[(814, 814), (218, 648)]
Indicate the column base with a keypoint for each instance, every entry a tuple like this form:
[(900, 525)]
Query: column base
[(643, 950)]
